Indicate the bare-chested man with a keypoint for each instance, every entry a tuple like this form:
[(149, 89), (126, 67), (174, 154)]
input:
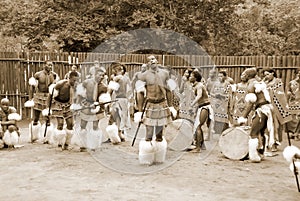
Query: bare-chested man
[(9, 131), (157, 113), (258, 96), (122, 92), (293, 95), (63, 95), (40, 83), (92, 91), (204, 113)]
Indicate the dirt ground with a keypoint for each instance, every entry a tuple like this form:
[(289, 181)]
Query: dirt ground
[(43, 172)]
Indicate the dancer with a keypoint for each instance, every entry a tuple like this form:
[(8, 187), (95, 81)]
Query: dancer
[(9, 131), (63, 94), (293, 96), (89, 94), (258, 96), (204, 112), (119, 120), (157, 113), (40, 93)]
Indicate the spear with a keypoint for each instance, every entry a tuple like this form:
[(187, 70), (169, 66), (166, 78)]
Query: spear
[(49, 111), (293, 161), (138, 128)]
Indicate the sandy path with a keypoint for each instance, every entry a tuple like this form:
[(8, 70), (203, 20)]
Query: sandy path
[(41, 172)]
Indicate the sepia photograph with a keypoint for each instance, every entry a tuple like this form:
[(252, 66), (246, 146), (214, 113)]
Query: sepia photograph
[(149, 100)]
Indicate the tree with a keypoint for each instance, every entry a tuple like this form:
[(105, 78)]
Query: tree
[(236, 27), (269, 28)]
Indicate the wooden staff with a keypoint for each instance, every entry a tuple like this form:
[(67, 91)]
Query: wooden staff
[(293, 161), (138, 128), (49, 111)]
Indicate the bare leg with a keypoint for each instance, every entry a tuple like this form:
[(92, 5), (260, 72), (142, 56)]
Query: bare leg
[(199, 133), (36, 117), (149, 133), (159, 133)]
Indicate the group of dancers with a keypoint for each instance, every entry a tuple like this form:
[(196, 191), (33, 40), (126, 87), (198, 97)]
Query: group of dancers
[(159, 97)]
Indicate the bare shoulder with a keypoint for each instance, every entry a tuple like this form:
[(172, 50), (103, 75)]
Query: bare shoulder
[(37, 74), (61, 83), (251, 86)]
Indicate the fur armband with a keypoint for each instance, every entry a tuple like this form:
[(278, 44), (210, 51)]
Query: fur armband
[(171, 84), (173, 111), (137, 117), (140, 86), (233, 87), (250, 98), (32, 82), (297, 165), (54, 92), (45, 112), (14, 116), (242, 120), (259, 87), (96, 110), (262, 87), (29, 103), (105, 97), (113, 85), (80, 90), (57, 78), (289, 153), (75, 107)]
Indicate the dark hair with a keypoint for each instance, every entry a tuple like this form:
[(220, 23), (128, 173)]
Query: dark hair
[(197, 75), (117, 65), (48, 61), (250, 72), (270, 70), (75, 66), (190, 70), (73, 74), (223, 72)]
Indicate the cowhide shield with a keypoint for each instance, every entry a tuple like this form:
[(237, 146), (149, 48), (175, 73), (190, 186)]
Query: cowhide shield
[(294, 101), (237, 103), (279, 101), (219, 104), (185, 109)]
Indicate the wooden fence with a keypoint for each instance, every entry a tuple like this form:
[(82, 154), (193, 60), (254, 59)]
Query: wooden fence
[(16, 68)]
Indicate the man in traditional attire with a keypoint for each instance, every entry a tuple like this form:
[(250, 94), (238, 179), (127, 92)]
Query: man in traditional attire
[(279, 101), (90, 94), (187, 95), (9, 131), (237, 103), (220, 102), (258, 96), (40, 83), (293, 96), (62, 98), (121, 91), (157, 113), (211, 80), (74, 68), (204, 112)]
